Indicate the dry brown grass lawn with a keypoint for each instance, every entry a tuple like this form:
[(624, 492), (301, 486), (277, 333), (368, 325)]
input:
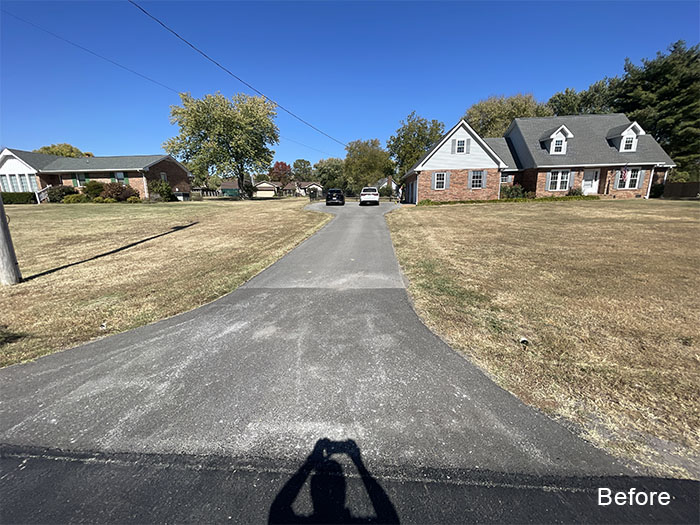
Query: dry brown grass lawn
[(608, 294), (228, 243)]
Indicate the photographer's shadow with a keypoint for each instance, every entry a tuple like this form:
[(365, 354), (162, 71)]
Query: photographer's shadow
[(328, 489)]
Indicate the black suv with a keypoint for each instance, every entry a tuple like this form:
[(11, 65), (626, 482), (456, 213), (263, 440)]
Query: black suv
[(335, 196)]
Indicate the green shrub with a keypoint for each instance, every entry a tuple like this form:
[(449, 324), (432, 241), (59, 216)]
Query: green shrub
[(75, 198), (516, 191), (386, 191), (56, 193), (133, 199), (656, 191), (98, 200), (574, 192), (93, 189), (110, 200), (19, 197), (428, 202), (160, 190), (118, 191)]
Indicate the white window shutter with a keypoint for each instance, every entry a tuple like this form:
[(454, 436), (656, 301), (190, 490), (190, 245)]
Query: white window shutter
[(454, 146), (468, 146)]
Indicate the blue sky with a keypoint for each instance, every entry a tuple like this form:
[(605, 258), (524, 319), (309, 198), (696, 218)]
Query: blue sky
[(353, 69)]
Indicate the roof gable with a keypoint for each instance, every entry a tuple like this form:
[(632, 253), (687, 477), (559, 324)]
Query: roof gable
[(33, 159), (437, 157)]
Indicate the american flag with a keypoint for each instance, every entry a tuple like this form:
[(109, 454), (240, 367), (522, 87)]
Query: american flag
[(623, 175)]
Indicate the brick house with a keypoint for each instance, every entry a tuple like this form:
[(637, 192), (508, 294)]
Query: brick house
[(30, 171), (600, 154)]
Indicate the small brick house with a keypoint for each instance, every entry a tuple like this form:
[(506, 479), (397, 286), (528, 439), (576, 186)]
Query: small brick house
[(30, 171), (600, 154)]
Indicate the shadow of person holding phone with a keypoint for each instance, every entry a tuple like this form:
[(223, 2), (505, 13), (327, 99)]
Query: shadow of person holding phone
[(328, 489)]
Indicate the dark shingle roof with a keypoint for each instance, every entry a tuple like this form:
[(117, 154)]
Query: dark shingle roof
[(36, 160), (590, 144), (229, 185), (53, 163), (501, 147)]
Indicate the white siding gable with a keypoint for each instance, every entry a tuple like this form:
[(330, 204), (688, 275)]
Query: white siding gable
[(443, 158), (11, 164)]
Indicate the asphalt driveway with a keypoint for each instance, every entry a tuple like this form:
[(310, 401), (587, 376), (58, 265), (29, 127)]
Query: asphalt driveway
[(210, 415)]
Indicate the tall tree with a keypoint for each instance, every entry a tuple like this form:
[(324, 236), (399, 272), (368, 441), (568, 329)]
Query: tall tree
[(330, 173), (63, 150), (567, 102), (663, 95), (224, 137), (491, 117), (414, 137), (365, 163), (301, 170), (281, 172)]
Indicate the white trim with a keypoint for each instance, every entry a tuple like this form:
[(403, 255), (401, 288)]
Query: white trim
[(552, 147), (651, 179), (558, 131), (483, 177), (601, 165), (559, 179), (444, 180)]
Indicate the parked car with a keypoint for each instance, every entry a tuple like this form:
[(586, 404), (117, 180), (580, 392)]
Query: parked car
[(369, 195), (335, 196)]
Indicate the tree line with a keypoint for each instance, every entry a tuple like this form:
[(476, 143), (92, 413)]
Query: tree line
[(221, 138)]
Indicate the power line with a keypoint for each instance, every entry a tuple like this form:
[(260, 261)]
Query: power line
[(89, 51), (166, 27), (129, 69)]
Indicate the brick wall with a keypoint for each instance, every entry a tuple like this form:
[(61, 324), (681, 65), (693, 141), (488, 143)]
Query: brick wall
[(177, 177), (458, 190)]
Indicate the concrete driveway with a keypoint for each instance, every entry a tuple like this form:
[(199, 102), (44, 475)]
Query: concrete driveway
[(210, 415)]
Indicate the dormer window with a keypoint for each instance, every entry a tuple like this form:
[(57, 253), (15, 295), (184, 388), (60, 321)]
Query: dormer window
[(555, 141), (625, 137)]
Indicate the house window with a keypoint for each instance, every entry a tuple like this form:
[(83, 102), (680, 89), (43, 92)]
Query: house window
[(504, 177), (630, 180), (119, 177), (558, 145), (477, 180), (4, 184), (80, 178), (163, 176), (629, 143), (461, 146), (23, 185), (559, 180), (13, 183), (32, 182), (439, 181)]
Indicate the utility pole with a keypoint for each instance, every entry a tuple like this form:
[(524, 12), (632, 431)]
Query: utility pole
[(9, 267)]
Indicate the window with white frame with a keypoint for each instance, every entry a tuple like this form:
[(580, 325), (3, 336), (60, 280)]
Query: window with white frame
[(629, 144), (629, 179), (23, 184), (4, 183), (439, 181), (81, 178), (504, 177), (119, 176), (32, 182), (477, 179), (558, 145), (558, 180), (461, 145), (13, 183)]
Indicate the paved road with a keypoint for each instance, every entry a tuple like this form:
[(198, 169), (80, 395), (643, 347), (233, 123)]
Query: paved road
[(211, 415)]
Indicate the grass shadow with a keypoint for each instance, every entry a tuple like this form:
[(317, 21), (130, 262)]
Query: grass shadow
[(174, 229), (7, 336)]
